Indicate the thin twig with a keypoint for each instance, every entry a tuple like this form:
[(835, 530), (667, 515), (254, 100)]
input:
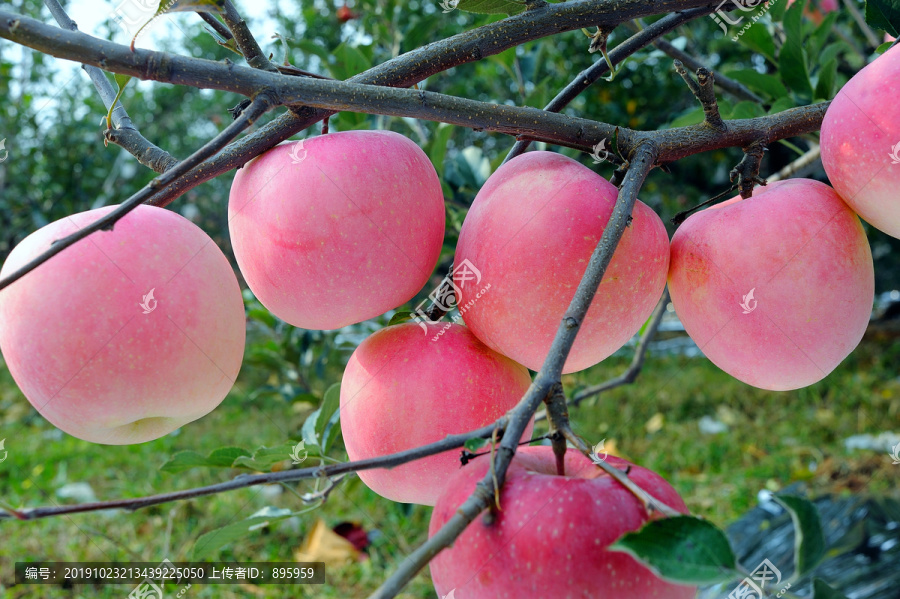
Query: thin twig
[(705, 93), (260, 105), (124, 133), (244, 39), (242, 481)]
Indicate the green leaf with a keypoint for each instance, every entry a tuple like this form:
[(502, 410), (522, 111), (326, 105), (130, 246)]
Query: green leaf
[(331, 434), (265, 457), (884, 14), (348, 61), (768, 85), (222, 457), (883, 47), (831, 51), (475, 444), (400, 316), (209, 543), (822, 590), (682, 549), (793, 23), (438, 148), (121, 82), (809, 540), (308, 430), (792, 64), (262, 315), (825, 84), (331, 403), (491, 7), (689, 118), (747, 110), (820, 35), (760, 40)]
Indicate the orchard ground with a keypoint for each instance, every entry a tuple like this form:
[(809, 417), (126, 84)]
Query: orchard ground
[(772, 441)]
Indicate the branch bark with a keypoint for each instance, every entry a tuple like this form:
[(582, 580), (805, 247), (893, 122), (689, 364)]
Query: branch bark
[(124, 134), (545, 381)]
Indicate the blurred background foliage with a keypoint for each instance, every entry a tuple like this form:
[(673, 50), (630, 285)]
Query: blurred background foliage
[(50, 118)]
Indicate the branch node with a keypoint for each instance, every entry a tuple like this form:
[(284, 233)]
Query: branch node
[(571, 322), (705, 93), (746, 174)]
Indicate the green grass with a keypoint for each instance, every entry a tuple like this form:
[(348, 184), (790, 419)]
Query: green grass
[(774, 439)]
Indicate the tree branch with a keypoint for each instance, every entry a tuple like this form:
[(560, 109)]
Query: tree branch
[(244, 39), (705, 93), (587, 77), (258, 107), (242, 481), (125, 134), (637, 362), (545, 381)]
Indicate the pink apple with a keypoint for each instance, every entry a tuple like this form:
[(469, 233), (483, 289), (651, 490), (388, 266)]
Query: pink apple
[(405, 387), (551, 535), (817, 9), (128, 334), (529, 234), (337, 229), (861, 143), (776, 289)]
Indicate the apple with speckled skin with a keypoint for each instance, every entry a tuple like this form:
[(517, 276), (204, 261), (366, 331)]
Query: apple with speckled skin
[(128, 334), (776, 289), (405, 387), (860, 143), (337, 229), (551, 536), (530, 233)]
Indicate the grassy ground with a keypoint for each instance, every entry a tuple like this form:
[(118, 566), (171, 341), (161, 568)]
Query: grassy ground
[(773, 440)]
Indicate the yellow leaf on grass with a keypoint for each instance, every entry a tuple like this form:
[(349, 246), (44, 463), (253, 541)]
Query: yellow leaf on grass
[(324, 545), (655, 424)]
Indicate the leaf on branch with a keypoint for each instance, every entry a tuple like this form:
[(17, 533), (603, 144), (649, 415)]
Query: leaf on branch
[(823, 590), (222, 457), (768, 85), (169, 6), (492, 7), (265, 457), (682, 549), (475, 444), (121, 82), (809, 539), (884, 14), (209, 543)]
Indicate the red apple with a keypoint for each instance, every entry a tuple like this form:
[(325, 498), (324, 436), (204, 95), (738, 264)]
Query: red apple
[(128, 334), (337, 229), (861, 143), (551, 535), (530, 233), (776, 289), (405, 387)]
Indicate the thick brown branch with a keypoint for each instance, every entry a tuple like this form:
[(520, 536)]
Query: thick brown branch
[(419, 64)]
